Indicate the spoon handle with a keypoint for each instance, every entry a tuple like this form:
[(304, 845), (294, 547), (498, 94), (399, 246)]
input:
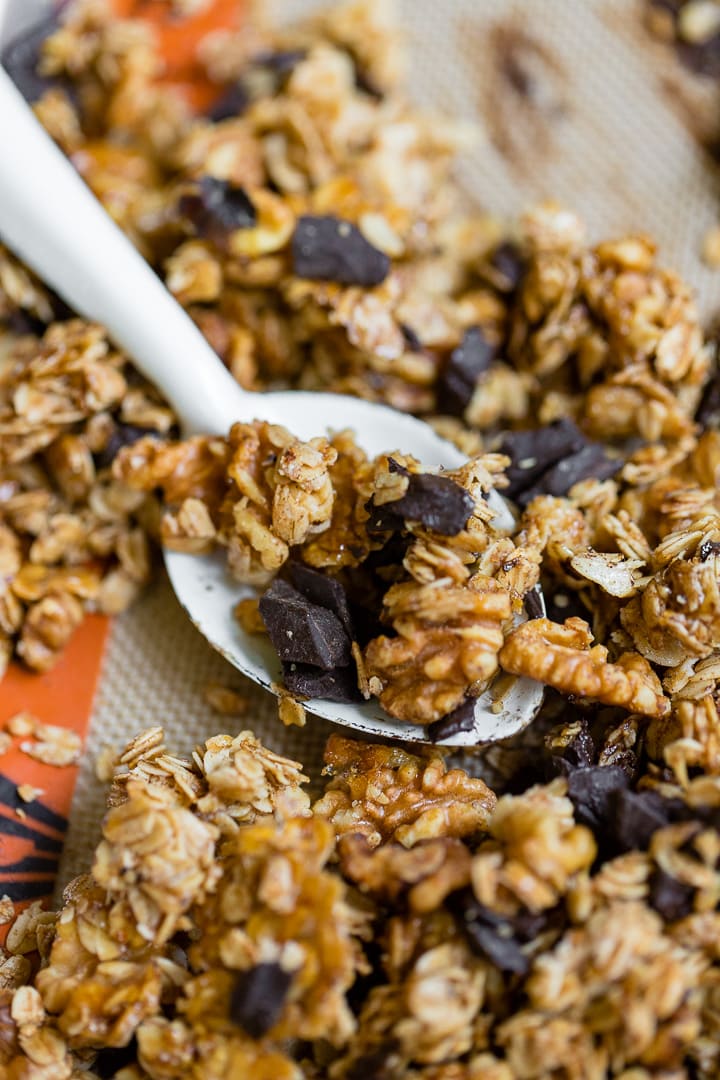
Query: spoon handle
[(53, 222)]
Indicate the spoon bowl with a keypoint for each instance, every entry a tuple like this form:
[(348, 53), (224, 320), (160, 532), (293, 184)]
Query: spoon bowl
[(73, 245)]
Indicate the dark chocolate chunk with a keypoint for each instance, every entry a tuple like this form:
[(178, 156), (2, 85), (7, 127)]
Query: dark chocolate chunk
[(637, 815), (592, 791), (671, 898), (23, 322), (264, 76), (533, 452), (21, 55), (465, 366), (708, 411), (412, 341), (590, 462), (307, 681), (391, 554), (498, 946), (323, 590), (303, 632), (436, 502), (460, 719), (395, 467), (328, 248), (509, 264), (282, 62), (232, 103), (122, 435), (488, 934), (534, 604), (708, 548), (258, 998), (218, 208), (528, 924)]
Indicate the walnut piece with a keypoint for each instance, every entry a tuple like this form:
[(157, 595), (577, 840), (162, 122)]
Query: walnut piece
[(388, 794), (561, 656)]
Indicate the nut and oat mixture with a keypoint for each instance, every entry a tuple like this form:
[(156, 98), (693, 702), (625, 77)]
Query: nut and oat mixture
[(407, 924), (548, 911)]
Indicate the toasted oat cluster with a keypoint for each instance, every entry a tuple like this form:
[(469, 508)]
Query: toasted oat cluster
[(407, 924)]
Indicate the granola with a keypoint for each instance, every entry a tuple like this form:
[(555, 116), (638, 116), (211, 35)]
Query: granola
[(547, 907)]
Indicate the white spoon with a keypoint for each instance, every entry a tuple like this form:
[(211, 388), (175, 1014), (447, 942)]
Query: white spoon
[(52, 221)]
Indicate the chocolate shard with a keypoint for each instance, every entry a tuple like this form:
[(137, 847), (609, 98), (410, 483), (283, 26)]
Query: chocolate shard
[(23, 322), (488, 934), (218, 208), (258, 998), (324, 590), (436, 502), (328, 248), (502, 951), (232, 103), (465, 367), (508, 262), (264, 76), (671, 898), (533, 604), (306, 681), (708, 411), (390, 556), (302, 632), (638, 814), (592, 792), (533, 452), (527, 925), (123, 435), (21, 56), (412, 341), (592, 462), (460, 719), (282, 62)]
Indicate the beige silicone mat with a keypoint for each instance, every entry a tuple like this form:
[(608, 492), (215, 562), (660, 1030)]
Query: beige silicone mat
[(575, 102)]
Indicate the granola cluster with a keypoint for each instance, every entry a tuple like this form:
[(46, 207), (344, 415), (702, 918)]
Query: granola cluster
[(359, 543), (407, 924)]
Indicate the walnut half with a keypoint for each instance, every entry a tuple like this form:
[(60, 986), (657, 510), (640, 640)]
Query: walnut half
[(560, 655)]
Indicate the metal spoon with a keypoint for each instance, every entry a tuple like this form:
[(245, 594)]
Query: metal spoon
[(51, 220)]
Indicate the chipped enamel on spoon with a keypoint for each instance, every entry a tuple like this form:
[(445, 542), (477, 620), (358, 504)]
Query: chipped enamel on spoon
[(51, 220)]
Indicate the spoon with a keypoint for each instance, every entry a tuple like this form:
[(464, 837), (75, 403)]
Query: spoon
[(52, 221)]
